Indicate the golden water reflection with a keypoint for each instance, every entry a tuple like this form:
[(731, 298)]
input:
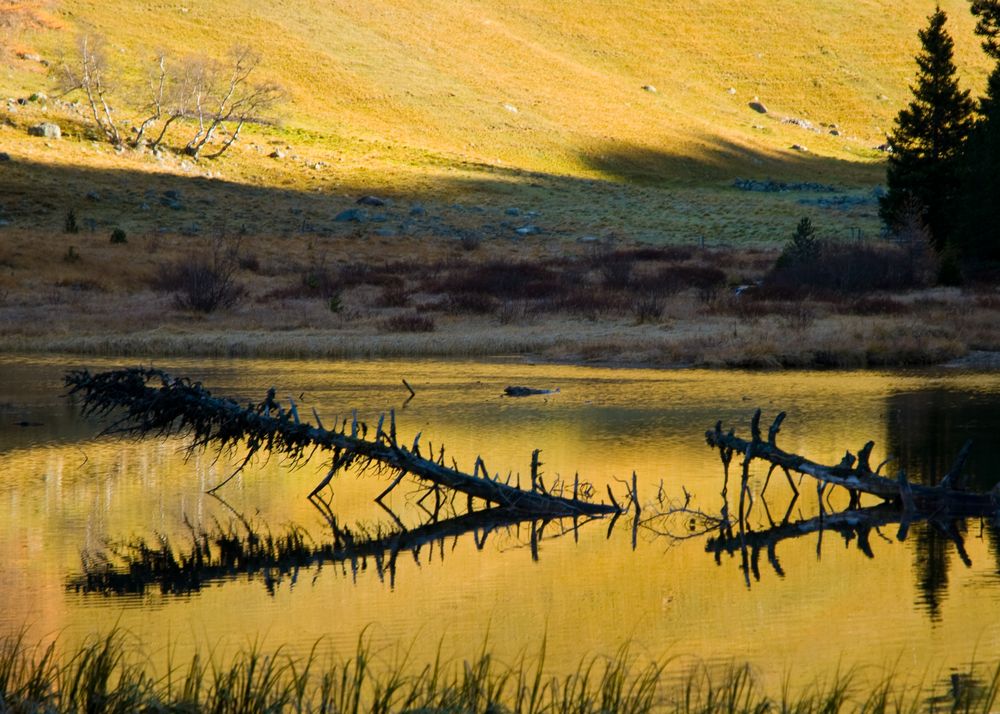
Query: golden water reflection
[(915, 604)]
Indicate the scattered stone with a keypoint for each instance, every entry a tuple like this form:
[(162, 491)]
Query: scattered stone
[(30, 57), (351, 215), (4, 156), (417, 210), (511, 108), (370, 201), (834, 132), (885, 148), (731, 90), (386, 232), (4, 223), (843, 201), (800, 148), (93, 196), (38, 97), (191, 230), (171, 199), (803, 123), (528, 230), (758, 106), (587, 239), (770, 186), (513, 211), (649, 88), (379, 218), (47, 129), (276, 154), (883, 98)]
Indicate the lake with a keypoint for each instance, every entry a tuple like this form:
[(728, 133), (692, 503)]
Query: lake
[(822, 598)]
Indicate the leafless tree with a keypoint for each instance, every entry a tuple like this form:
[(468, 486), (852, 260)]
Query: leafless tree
[(226, 95), (90, 72)]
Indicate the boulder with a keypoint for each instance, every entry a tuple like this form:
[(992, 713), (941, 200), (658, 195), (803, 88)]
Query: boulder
[(351, 215), (370, 201), (48, 130), (758, 107), (649, 88)]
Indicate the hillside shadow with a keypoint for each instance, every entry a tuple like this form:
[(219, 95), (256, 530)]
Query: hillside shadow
[(714, 159), (479, 197)]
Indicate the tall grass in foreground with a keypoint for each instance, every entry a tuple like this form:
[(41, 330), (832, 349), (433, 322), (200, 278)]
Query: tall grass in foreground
[(106, 675)]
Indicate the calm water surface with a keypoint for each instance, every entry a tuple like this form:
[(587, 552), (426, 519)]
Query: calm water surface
[(922, 604)]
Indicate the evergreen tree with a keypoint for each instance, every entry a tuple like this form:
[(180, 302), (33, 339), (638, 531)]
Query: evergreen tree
[(979, 208), (928, 138)]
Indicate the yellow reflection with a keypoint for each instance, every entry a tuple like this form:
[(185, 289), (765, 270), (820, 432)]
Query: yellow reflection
[(667, 595)]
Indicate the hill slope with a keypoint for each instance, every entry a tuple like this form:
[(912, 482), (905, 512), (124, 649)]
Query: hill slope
[(401, 94)]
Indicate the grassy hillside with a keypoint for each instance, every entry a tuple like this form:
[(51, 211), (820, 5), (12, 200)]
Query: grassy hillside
[(476, 101)]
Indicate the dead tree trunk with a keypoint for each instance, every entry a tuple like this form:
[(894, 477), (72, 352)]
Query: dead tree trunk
[(855, 474), (179, 406)]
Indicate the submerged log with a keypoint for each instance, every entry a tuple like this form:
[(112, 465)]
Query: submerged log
[(156, 403), (855, 474)]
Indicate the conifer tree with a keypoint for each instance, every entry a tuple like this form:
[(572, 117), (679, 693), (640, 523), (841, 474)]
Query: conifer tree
[(979, 208), (928, 138)]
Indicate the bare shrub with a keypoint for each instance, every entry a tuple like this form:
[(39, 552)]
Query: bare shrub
[(204, 283), (470, 241), (616, 272), (674, 278), (876, 305), (409, 322), (512, 311), (250, 262), (647, 308), (591, 302), (502, 280), (393, 296), (845, 269), (475, 303)]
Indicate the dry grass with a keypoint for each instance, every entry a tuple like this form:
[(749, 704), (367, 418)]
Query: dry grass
[(677, 306), (414, 101)]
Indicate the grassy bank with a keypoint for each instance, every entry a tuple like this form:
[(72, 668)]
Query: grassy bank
[(107, 674), (606, 301)]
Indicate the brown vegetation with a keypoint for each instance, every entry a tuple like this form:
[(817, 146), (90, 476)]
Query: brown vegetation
[(558, 300)]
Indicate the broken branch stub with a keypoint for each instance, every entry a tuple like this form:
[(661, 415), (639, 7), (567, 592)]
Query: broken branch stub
[(153, 402)]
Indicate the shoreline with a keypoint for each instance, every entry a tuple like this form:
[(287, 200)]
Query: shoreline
[(528, 347)]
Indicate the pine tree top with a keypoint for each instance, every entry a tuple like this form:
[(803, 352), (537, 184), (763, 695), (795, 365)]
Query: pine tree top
[(936, 122)]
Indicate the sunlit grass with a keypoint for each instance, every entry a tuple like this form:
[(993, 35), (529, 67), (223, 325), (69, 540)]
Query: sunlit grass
[(108, 674)]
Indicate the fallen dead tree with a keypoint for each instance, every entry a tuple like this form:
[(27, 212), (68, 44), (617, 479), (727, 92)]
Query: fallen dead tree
[(855, 474), (153, 402)]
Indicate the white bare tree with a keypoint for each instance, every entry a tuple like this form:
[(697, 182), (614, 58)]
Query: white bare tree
[(225, 95), (90, 72)]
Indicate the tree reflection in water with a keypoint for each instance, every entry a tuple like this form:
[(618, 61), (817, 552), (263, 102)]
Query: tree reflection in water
[(241, 548)]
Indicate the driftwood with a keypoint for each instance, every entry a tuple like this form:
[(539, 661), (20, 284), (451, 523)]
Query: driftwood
[(855, 474), (527, 391), (156, 403)]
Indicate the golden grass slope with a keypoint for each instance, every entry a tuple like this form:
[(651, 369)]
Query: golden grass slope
[(558, 86)]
